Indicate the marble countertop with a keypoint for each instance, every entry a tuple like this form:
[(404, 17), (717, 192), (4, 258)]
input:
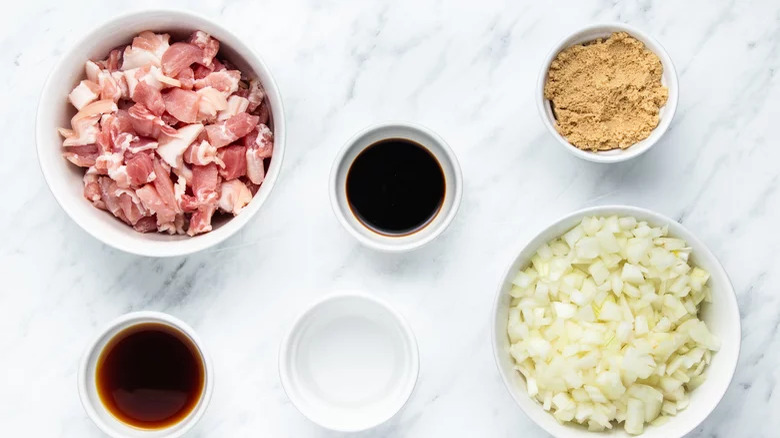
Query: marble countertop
[(465, 69)]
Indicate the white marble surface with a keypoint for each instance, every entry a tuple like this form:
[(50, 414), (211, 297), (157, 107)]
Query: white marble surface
[(466, 70)]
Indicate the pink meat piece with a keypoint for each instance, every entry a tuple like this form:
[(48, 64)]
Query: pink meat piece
[(110, 87), (182, 104), (205, 180), (164, 185), (261, 139), (209, 45), (256, 94), (147, 48), (85, 93), (108, 194), (141, 144), (225, 81), (187, 78), (201, 71), (82, 156), (201, 153), (114, 59), (146, 224), (152, 201), (149, 97), (255, 167), (234, 195), (200, 222), (230, 130), (92, 189), (140, 169), (234, 160), (180, 56), (146, 124), (132, 208)]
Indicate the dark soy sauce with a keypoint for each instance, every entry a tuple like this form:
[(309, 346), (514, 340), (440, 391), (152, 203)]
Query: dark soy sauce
[(395, 186), (150, 376)]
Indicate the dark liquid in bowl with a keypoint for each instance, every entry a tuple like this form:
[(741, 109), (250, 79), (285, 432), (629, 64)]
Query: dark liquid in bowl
[(150, 376), (395, 186)]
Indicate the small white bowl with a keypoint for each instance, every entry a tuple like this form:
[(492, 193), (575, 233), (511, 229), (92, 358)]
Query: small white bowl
[(721, 316), (87, 385), (349, 363), (453, 183), (668, 79), (65, 179)]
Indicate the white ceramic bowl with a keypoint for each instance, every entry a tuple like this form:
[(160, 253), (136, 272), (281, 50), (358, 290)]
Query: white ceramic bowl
[(721, 316), (349, 363), (65, 179), (87, 386), (669, 79), (453, 182)]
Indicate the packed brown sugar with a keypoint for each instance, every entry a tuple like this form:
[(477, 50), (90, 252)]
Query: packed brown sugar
[(606, 94)]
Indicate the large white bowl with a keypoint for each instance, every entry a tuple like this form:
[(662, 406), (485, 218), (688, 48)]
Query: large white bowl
[(721, 316), (65, 179), (668, 79)]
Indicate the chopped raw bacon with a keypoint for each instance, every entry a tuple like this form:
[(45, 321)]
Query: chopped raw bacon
[(227, 131), (82, 156), (140, 169), (182, 104), (202, 154), (150, 98), (168, 134), (209, 45), (186, 78), (180, 56), (225, 81), (235, 105), (85, 93), (234, 160), (256, 94), (234, 196)]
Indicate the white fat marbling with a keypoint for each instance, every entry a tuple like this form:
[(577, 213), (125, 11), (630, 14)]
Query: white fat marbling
[(465, 69)]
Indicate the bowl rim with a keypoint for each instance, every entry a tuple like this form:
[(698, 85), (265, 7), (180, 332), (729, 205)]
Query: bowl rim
[(407, 242), (124, 322), (608, 209), (195, 243), (670, 107), (285, 346)]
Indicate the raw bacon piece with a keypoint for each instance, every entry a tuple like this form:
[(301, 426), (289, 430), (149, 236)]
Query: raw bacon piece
[(261, 139), (92, 189), (108, 194), (186, 78), (200, 222), (172, 146), (182, 104), (234, 196), (180, 56), (164, 186), (85, 93), (226, 132), (200, 71), (82, 156), (209, 45), (235, 105), (256, 94), (255, 168), (92, 70), (225, 81), (132, 208), (150, 98), (147, 124), (205, 181), (202, 154), (146, 224), (141, 144), (234, 159), (151, 201), (114, 59), (147, 48), (211, 102), (140, 169)]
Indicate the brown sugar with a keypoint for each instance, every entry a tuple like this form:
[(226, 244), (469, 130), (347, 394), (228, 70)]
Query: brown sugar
[(606, 94)]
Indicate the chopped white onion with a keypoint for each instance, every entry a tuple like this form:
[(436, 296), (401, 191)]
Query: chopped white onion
[(604, 324)]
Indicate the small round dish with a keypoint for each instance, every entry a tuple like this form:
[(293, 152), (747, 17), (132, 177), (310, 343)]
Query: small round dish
[(433, 143), (87, 383), (668, 79), (65, 180), (721, 316), (349, 363)]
